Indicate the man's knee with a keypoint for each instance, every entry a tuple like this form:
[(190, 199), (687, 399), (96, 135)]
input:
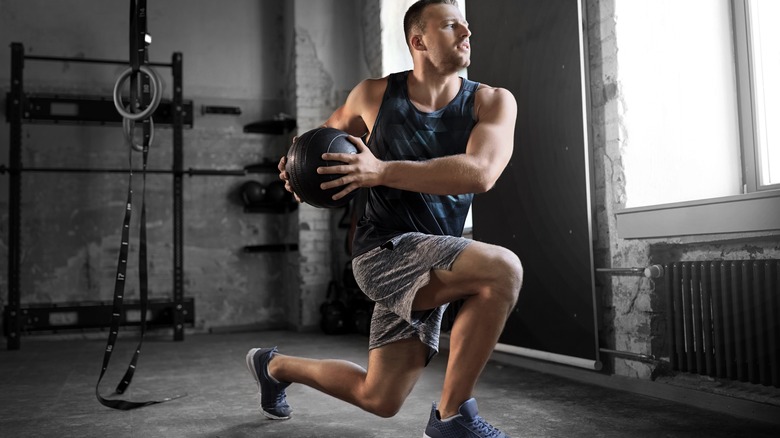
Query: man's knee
[(384, 407), (508, 275)]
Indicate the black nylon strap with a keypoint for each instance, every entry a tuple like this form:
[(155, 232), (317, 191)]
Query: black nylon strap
[(138, 54), (142, 284), (119, 287), (137, 33)]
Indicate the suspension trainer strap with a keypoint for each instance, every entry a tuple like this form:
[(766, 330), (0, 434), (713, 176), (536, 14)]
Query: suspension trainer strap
[(138, 54), (119, 288), (116, 311), (143, 284), (136, 44)]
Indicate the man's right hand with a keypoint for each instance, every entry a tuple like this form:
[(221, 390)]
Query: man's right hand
[(284, 176)]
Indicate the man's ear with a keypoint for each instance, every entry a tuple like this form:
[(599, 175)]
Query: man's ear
[(417, 43)]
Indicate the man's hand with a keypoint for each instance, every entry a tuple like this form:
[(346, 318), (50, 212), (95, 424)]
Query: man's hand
[(359, 170), (284, 176)]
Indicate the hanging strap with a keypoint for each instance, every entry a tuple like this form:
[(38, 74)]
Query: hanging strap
[(138, 55), (119, 289), (137, 11)]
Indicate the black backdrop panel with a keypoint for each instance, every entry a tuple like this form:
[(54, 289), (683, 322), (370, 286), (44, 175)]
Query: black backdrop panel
[(540, 206)]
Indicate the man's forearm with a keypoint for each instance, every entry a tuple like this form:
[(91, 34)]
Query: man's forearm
[(451, 175)]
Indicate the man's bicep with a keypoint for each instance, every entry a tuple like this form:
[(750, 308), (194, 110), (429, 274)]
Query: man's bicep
[(345, 120), (492, 138)]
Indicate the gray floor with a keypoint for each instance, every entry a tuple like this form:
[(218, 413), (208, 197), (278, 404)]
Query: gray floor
[(47, 390)]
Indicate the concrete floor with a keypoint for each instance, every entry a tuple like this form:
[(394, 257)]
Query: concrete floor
[(47, 389)]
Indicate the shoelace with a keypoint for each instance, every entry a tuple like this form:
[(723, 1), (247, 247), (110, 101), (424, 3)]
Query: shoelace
[(279, 399), (485, 428)]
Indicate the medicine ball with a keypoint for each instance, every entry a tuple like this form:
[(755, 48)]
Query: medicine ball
[(305, 156), (275, 193), (253, 193)]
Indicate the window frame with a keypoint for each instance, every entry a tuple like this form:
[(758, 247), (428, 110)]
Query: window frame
[(751, 212), (746, 91)]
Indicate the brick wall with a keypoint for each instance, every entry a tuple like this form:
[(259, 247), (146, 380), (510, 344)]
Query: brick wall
[(626, 309), (329, 59)]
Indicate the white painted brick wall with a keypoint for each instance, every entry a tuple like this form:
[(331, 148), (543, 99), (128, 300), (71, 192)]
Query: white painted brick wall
[(318, 94), (626, 304)]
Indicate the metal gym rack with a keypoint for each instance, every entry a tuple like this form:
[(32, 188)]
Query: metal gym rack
[(23, 108)]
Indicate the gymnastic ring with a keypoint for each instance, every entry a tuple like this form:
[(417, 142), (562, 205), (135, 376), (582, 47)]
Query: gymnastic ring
[(128, 126), (156, 94)]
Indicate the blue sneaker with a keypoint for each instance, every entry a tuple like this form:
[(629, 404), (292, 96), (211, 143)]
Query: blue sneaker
[(465, 425), (273, 400)]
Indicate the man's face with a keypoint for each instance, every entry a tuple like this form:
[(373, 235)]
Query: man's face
[(446, 37)]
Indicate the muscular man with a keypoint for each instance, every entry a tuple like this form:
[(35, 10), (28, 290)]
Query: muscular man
[(434, 139)]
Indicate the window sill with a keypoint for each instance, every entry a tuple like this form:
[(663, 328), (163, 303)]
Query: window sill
[(732, 214)]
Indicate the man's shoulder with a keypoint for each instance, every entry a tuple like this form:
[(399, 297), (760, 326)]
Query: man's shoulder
[(491, 90), (371, 86), (491, 99), (494, 95)]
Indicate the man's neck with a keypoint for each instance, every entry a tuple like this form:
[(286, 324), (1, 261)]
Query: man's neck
[(430, 91)]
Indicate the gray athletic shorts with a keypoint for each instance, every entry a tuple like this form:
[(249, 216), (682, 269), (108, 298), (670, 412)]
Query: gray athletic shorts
[(392, 274)]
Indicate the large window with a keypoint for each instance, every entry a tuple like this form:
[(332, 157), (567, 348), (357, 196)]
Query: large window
[(676, 70), (684, 65), (700, 82)]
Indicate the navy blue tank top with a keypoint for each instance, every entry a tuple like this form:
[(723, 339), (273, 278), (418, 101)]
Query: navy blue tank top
[(402, 132)]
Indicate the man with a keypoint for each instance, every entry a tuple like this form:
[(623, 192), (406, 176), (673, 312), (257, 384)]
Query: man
[(434, 139)]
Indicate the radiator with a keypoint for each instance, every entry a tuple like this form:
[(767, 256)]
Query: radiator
[(723, 319)]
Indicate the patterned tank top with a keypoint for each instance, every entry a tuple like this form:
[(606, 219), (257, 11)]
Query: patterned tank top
[(402, 132)]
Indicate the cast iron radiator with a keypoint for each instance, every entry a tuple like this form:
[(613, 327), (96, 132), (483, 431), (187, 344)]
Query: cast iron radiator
[(723, 319)]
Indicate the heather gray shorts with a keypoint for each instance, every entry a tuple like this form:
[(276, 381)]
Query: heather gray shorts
[(392, 274)]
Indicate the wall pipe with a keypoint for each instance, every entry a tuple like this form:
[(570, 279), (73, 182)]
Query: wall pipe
[(652, 271), (635, 356), (550, 357)]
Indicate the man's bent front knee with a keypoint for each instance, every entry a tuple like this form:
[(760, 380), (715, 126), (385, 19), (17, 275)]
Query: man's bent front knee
[(508, 275)]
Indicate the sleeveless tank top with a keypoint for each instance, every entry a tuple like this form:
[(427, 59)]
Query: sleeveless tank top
[(402, 132)]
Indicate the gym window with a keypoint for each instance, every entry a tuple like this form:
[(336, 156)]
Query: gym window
[(701, 86)]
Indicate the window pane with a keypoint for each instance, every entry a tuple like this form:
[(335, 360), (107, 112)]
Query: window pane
[(676, 73), (765, 52)]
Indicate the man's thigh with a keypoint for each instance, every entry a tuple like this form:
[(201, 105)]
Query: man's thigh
[(476, 266)]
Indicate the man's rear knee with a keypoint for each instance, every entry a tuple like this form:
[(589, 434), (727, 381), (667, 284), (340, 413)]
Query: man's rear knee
[(383, 407)]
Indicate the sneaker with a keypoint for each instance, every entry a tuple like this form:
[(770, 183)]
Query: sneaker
[(464, 425), (273, 400)]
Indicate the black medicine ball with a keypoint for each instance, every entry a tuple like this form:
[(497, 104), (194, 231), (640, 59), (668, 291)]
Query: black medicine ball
[(276, 193), (305, 156), (253, 193)]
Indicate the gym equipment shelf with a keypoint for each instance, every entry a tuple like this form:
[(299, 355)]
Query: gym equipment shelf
[(276, 247), (80, 316), (273, 127), (55, 108), (272, 207), (22, 108)]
